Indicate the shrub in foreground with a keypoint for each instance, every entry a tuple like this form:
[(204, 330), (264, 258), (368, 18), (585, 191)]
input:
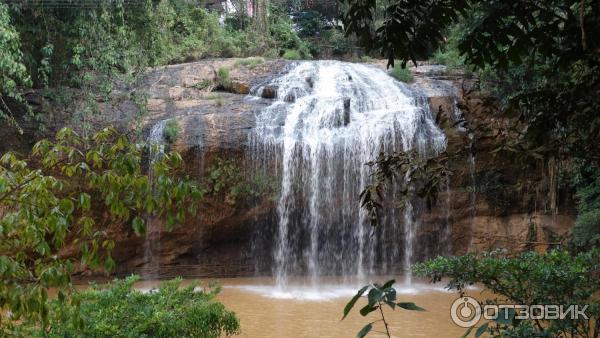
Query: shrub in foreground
[(553, 278), (119, 310)]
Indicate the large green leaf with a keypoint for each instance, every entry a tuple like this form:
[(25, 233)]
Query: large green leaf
[(481, 330), (353, 301), (375, 295), (364, 331)]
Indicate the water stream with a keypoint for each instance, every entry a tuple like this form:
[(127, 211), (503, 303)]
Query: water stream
[(156, 147)]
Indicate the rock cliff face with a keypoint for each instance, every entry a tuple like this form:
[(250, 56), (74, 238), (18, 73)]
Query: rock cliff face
[(491, 201)]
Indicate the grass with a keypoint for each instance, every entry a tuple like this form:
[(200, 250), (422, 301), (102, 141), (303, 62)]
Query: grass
[(292, 54), (203, 84), (402, 74), (251, 62), (171, 131), (223, 78)]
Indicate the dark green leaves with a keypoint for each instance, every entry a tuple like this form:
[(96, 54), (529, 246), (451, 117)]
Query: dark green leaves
[(377, 296), (364, 331), (481, 330), (353, 301), (138, 226), (556, 277), (410, 30), (75, 195), (410, 167)]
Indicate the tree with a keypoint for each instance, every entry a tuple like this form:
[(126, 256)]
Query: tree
[(557, 107), (553, 102), (12, 70), (531, 278), (66, 194)]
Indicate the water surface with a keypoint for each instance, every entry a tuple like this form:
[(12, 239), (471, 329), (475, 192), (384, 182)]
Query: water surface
[(304, 310)]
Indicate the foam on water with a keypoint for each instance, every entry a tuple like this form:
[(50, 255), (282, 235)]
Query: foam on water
[(324, 292)]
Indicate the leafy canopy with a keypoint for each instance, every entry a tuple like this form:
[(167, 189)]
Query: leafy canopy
[(530, 279), (12, 70), (58, 205)]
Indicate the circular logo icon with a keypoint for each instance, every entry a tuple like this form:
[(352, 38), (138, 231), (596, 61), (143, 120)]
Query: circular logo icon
[(465, 312)]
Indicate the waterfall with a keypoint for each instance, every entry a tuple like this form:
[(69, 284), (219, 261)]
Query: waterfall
[(156, 147), (473, 183), (329, 118)]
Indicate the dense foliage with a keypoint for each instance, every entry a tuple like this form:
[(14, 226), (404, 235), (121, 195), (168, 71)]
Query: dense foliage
[(57, 206), (68, 45), (538, 58), (104, 47), (12, 70), (586, 233), (542, 52), (531, 278), (119, 310)]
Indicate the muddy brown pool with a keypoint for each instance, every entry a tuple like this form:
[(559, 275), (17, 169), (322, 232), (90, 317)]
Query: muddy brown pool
[(303, 309)]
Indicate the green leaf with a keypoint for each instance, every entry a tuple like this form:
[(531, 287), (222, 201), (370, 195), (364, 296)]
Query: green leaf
[(467, 332), (138, 226), (481, 330), (375, 295), (84, 201), (364, 331), (353, 301), (410, 306), (66, 205), (388, 284), (365, 310)]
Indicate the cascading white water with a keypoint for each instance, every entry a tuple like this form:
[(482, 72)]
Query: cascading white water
[(328, 120), (156, 147)]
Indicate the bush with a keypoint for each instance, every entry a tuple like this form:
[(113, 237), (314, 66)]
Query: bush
[(119, 310), (448, 55), (284, 35), (531, 278), (227, 180), (450, 58), (250, 62), (171, 131), (223, 77), (292, 54), (402, 74), (338, 41), (586, 232)]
